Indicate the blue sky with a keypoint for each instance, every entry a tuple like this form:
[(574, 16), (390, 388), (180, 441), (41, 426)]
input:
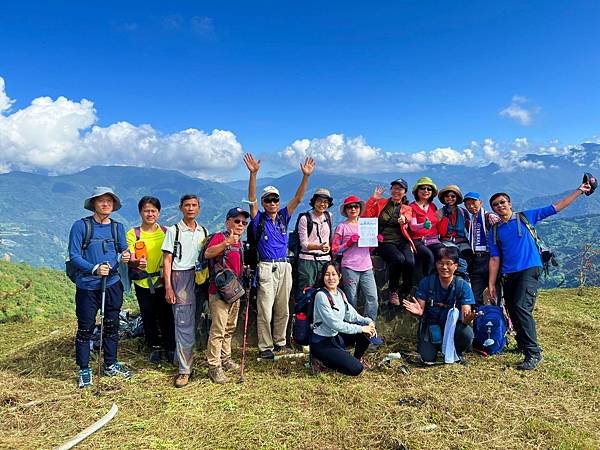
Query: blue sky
[(398, 77)]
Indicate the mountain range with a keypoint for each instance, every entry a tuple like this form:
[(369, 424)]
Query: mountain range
[(37, 211)]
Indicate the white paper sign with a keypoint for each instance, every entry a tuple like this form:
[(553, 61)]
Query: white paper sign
[(367, 230)]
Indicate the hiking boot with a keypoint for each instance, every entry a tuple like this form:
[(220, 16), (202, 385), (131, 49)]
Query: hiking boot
[(365, 363), (230, 365), (282, 349), (217, 375), (155, 355), (182, 380), (267, 354), (316, 365), (530, 362), (85, 378), (394, 299), (117, 369)]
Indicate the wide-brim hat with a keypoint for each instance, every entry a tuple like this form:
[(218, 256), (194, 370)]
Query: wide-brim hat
[(451, 188), (424, 181), (322, 193), (348, 201), (88, 203), (269, 190)]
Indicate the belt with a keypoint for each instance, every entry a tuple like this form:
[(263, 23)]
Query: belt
[(274, 260)]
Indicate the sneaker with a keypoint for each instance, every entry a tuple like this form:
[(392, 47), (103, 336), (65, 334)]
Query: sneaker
[(230, 365), (530, 362), (394, 299), (155, 355), (85, 378), (117, 369), (217, 375), (182, 380), (267, 354)]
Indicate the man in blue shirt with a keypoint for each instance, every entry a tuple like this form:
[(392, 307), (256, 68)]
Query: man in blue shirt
[(100, 259), (274, 271), (519, 258)]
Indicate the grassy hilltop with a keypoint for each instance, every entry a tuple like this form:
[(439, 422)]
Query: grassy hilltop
[(487, 404)]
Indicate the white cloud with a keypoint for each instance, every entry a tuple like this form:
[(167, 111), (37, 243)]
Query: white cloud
[(60, 136), (519, 111)]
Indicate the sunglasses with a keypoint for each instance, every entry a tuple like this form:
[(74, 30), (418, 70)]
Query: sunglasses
[(271, 200), (425, 188), (352, 206), (238, 221), (498, 203)]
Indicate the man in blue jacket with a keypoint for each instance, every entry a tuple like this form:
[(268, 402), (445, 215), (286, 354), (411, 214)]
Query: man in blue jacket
[(514, 249), (107, 248)]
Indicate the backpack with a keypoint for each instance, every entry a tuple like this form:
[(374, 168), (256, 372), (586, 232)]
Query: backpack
[(490, 330), (294, 245), (304, 314), (202, 264), (136, 273), (251, 257), (70, 269), (547, 256)]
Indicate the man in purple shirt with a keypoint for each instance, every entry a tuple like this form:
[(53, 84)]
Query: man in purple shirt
[(274, 271), (514, 249)]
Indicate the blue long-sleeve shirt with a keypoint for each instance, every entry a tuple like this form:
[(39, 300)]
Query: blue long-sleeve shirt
[(101, 249)]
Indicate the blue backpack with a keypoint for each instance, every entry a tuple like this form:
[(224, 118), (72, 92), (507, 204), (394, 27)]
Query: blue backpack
[(304, 314), (490, 330)]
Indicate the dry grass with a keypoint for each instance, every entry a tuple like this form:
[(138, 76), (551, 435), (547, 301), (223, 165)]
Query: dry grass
[(487, 404)]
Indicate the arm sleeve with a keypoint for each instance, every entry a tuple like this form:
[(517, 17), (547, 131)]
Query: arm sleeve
[(303, 232), (76, 236), (370, 208), (167, 245), (337, 247), (330, 320)]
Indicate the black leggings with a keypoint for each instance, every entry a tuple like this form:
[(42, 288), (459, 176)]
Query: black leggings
[(157, 317), (331, 351), (425, 255), (401, 261)]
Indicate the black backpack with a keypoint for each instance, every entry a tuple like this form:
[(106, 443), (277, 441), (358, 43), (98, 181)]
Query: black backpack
[(304, 314), (547, 256), (294, 240), (251, 257), (70, 269)]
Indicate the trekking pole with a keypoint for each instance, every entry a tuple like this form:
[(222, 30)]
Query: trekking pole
[(242, 379), (103, 301)]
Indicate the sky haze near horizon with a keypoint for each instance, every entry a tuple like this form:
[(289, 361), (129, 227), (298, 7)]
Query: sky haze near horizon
[(394, 85)]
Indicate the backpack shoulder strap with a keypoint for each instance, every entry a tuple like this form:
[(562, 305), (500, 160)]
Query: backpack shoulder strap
[(532, 231), (330, 298), (114, 229), (176, 242), (163, 228), (329, 223), (260, 229), (89, 230)]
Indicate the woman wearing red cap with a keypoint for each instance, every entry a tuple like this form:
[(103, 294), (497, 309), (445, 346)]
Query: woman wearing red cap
[(357, 268), (397, 248)]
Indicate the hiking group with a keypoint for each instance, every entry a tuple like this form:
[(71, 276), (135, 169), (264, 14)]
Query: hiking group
[(444, 266)]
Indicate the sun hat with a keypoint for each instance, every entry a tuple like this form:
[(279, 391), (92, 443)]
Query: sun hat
[(424, 181), (234, 212), (88, 203), (350, 200), (269, 190), (323, 193), (472, 196), (400, 181), (451, 188)]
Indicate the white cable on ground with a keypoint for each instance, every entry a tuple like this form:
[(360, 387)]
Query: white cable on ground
[(90, 430)]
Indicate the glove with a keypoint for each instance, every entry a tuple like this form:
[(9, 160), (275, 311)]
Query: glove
[(353, 240), (379, 238), (592, 181), (427, 224)]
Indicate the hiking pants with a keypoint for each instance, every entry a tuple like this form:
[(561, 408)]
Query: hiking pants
[(520, 290), (308, 273), (425, 257), (352, 280), (401, 262), (184, 313), (87, 304), (463, 340), (224, 320), (331, 351), (272, 299), (157, 317)]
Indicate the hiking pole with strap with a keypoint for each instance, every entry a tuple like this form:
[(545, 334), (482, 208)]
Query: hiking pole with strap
[(102, 303), (249, 271)]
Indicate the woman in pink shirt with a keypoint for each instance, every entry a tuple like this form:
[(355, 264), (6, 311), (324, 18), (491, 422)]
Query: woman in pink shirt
[(357, 268)]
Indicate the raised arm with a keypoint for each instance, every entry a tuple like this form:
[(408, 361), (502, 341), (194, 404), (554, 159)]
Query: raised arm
[(307, 170), (253, 166), (562, 204)]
